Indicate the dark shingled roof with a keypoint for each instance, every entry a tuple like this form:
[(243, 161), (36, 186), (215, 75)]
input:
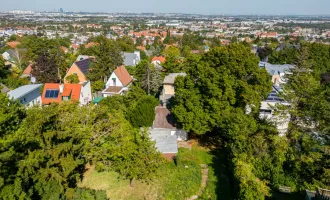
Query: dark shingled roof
[(84, 65), (164, 118)]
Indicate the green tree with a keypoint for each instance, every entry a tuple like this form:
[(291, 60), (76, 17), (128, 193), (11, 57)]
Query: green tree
[(221, 80), (97, 86), (123, 149), (126, 44), (142, 114), (172, 63), (45, 70), (108, 56), (148, 76), (73, 78)]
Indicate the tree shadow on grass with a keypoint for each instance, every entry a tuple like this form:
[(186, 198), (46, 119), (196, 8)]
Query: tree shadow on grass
[(221, 165)]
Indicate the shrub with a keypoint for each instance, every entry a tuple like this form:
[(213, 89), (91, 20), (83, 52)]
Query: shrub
[(142, 114)]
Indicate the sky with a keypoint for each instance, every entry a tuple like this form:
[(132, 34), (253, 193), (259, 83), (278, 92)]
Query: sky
[(244, 7)]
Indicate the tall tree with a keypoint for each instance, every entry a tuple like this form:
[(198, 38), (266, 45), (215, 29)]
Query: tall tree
[(172, 63), (142, 113), (45, 69), (108, 57), (224, 78), (148, 76)]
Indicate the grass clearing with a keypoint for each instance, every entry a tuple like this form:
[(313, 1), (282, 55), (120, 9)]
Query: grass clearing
[(177, 180)]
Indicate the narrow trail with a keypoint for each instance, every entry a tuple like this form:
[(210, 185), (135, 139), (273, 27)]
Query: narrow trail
[(205, 172)]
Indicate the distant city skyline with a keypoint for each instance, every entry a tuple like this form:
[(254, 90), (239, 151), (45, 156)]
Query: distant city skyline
[(236, 7)]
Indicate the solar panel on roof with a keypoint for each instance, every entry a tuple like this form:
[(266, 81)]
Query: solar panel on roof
[(56, 93), (51, 94), (47, 95)]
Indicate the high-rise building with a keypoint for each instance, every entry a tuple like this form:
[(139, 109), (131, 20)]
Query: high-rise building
[(61, 10)]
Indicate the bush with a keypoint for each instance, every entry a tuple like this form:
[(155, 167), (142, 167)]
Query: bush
[(97, 86), (142, 114), (73, 78)]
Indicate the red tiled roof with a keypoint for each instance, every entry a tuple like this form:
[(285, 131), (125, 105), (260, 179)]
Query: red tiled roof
[(69, 90), (123, 75), (49, 86), (162, 59), (75, 46), (142, 48), (64, 49), (28, 70), (72, 90), (91, 44), (13, 45)]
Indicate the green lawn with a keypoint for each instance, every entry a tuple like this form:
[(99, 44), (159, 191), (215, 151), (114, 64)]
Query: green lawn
[(177, 180)]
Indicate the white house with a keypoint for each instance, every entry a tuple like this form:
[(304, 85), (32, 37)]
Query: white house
[(277, 72), (6, 56), (267, 111), (131, 59), (28, 95), (118, 82), (158, 61)]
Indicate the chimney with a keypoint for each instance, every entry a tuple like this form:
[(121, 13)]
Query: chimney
[(61, 88)]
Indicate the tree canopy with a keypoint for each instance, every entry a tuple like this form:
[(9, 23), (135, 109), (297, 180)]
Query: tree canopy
[(224, 78)]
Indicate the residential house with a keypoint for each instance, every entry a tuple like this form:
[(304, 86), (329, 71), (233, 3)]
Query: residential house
[(13, 57), (131, 59), (277, 72), (27, 72), (64, 49), (80, 68), (91, 44), (118, 82), (158, 61), (75, 47), (168, 87), (28, 95), (56, 93), (13, 44), (267, 35), (267, 110), (165, 134)]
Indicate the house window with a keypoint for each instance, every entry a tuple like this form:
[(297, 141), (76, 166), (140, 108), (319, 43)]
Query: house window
[(114, 81), (24, 99), (74, 74), (65, 98)]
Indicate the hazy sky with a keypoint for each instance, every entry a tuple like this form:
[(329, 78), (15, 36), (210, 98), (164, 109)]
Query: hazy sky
[(307, 7)]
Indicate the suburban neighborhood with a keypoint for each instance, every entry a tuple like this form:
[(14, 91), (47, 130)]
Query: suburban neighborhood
[(110, 105)]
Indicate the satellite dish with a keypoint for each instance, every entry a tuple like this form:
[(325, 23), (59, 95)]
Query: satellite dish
[(33, 79)]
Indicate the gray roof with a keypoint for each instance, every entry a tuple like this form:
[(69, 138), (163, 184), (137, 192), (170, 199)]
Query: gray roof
[(84, 65), (165, 142), (274, 95), (169, 79), (276, 69), (23, 90), (129, 59)]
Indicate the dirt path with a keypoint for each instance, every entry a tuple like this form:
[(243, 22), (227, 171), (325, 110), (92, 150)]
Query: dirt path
[(205, 172)]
